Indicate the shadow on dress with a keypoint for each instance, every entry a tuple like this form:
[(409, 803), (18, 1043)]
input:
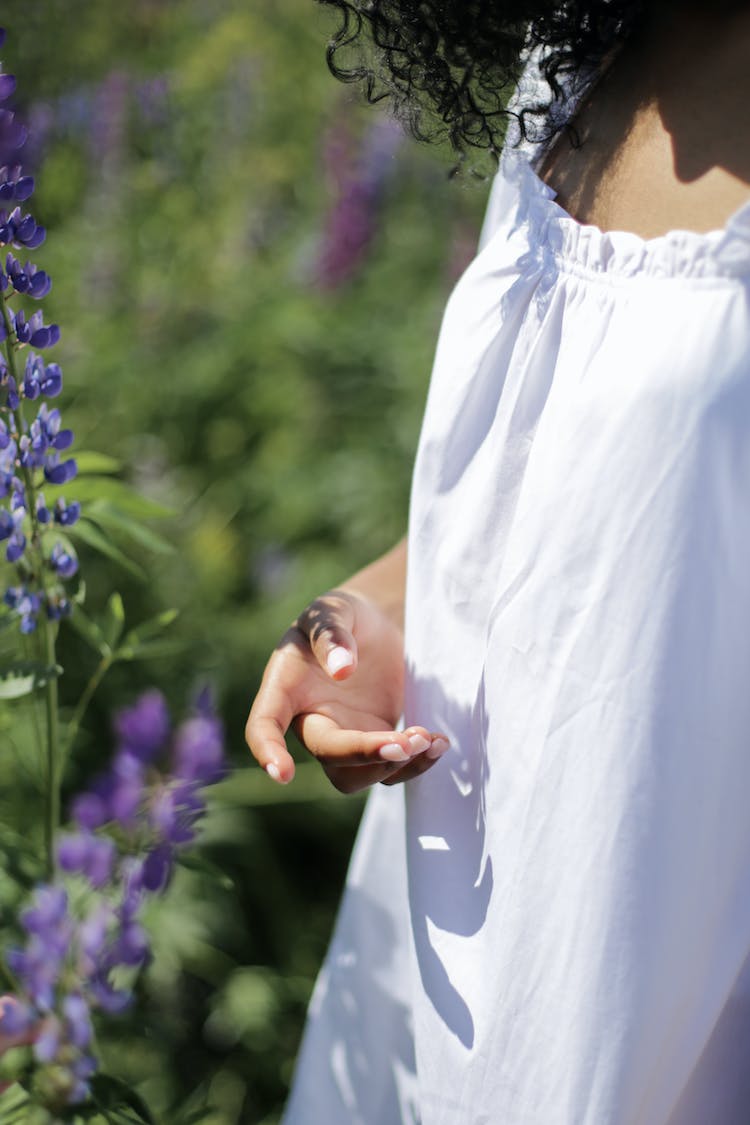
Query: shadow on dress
[(450, 876)]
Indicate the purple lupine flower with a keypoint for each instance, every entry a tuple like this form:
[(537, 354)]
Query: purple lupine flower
[(33, 331), (157, 868), (60, 472), (199, 750), (90, 810), (66, 514), (62, 562), (7, 86), (88, 855), (78, 1019), (144, 727), (58, 606), (359, 180), (12, 133), (17, 229), (25, 279), (11, 528), (14, 185), (126, 789), (26, 604), (36, 446), (71, 963), (15, 1018), (41, 379)]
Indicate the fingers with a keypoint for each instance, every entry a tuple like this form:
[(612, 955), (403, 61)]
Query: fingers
[(421, 763), (352, 779), (267, 724), (328, 623), (335, 746)]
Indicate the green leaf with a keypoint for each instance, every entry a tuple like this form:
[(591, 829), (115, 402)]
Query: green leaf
[(114, 622), (193, 861), (88, 630), (93, 535), (112, 519), (24, 677), (150, 650), (112, 1094), (20, 861), (150, 628), (117, 492), (197, 1115), (89, 462)]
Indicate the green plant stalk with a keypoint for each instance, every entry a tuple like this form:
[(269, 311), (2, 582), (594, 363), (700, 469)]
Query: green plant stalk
[(9, 982), (49, 636), (86, 696)]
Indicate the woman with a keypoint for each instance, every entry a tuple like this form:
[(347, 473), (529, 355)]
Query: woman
[(553, 927)]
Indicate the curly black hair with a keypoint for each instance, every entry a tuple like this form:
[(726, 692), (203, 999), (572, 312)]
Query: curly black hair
[(448, 66)]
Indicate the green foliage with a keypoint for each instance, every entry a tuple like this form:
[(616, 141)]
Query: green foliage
[(258, 431)]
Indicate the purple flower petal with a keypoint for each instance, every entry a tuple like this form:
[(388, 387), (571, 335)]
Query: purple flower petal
[(157, 868), (24, 188), (47, 1043), (144, 727), (7, 86), (61, 474), (36, 239), (90, 810), (73, 852), (15, 1018), (78, 1021)]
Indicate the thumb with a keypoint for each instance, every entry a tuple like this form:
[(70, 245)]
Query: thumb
[(328, 623)]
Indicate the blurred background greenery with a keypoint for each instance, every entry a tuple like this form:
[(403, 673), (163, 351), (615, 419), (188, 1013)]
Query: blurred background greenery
[(249, 270)]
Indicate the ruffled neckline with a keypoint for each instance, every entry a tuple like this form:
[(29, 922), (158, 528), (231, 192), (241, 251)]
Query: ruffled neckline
[(579, 247)]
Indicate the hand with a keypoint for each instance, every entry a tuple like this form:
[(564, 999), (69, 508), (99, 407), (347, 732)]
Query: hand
[(337, 675)]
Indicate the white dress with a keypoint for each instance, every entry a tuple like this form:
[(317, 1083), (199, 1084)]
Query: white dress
[(552, 926)]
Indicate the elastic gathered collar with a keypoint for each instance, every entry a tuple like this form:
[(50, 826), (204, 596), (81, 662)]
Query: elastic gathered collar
[(723, 253)]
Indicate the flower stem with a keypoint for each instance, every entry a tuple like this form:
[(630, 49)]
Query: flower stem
[(54, 773)]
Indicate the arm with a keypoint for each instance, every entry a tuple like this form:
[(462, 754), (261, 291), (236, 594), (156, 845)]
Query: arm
[(337, 675)]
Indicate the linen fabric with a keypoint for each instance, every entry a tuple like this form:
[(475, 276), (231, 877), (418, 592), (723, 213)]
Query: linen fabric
[(552, 925)]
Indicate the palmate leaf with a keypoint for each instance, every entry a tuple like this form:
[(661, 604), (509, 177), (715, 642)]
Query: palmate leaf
[(24, 677)]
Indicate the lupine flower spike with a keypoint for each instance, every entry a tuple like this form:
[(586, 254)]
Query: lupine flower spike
[(76, 962), (33, 445)]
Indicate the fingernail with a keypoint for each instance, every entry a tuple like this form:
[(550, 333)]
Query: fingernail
[(338, 658), (392, 752), (438, 748), (418, 743), (273, 771)]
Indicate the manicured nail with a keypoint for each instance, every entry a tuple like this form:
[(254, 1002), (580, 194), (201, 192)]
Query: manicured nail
[(338, 658), (438, 748), (273, 771), (392, 752), (418, 743)]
